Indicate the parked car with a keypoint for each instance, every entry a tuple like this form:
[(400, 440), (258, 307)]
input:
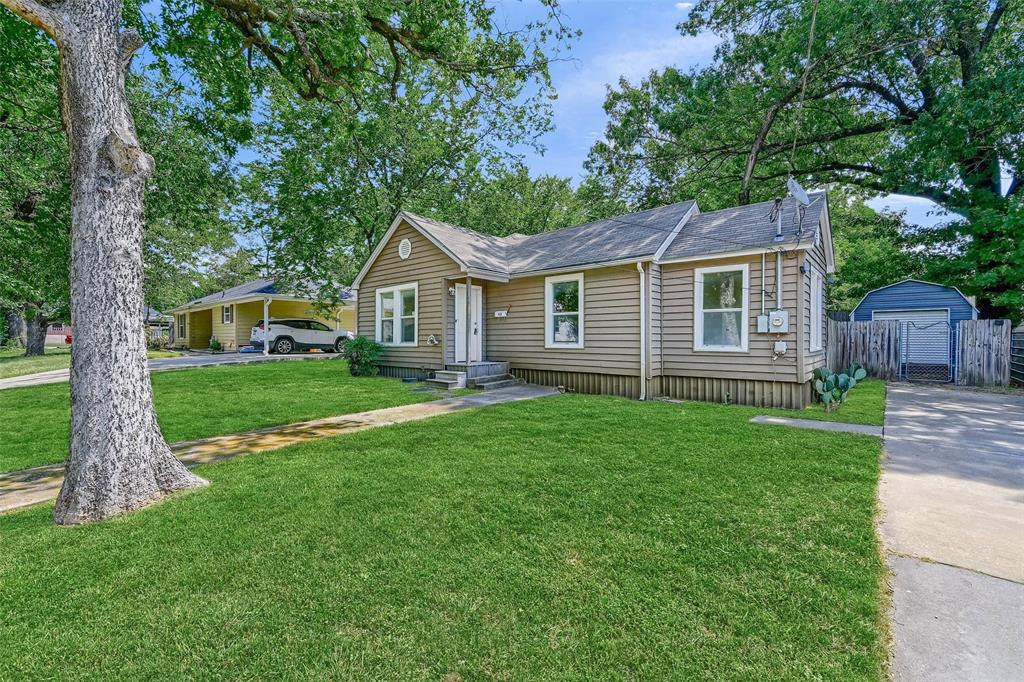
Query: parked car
[(288, 336)]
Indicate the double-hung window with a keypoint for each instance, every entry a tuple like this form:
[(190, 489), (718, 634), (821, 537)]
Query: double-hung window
[(817, 309), (227, 314), (397, 315), (563, 311), (720, 308), (181, 326)]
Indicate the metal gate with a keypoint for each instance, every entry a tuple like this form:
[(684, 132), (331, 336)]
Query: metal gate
[(927, 351)]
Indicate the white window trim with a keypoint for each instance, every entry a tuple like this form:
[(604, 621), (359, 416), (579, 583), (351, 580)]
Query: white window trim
[(549, 283), (698, 309), (378, 320), (227, 314), (817, 311)]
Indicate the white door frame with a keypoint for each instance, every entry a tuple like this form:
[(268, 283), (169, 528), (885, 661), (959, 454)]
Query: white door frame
[(476, 351)]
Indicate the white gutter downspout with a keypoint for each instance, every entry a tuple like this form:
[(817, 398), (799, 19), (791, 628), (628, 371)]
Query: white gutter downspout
[(643, 330)]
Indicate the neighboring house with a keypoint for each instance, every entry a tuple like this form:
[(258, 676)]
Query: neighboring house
[(929, 314), (230, 315), (662, 302), (158, 325), (57, 333)]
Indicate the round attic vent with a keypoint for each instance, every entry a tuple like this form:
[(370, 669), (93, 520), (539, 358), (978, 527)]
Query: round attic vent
[(404, 249)]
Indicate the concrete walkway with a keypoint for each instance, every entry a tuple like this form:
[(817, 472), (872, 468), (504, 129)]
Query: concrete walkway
[(57, 376), (41, 484), (819, 425), (952, 495)]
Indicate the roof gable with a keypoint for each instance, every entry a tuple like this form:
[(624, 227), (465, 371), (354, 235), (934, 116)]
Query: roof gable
[(666, 234), (748, 227)]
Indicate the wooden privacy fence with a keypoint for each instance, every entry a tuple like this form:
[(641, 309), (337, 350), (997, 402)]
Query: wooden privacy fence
[(876, 345), (1017, 355), (983, 353)]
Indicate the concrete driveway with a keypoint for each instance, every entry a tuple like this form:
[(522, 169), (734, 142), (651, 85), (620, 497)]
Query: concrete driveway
[(952, 495), (162, 364)]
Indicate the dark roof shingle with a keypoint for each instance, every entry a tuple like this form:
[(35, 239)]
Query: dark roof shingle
[(746, 227)]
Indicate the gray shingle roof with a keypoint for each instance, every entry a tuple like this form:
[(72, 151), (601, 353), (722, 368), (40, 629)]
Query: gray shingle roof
[(253, 288), (478, 251), (745, 227), (635, 235)]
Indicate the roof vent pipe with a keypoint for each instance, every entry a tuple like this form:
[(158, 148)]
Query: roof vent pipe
[(778, 220)]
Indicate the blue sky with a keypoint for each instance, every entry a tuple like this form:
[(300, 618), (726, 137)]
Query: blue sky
[(626, 38)]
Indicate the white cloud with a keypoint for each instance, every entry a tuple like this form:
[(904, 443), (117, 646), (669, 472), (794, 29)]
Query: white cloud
[(684, 5), (587, 82)]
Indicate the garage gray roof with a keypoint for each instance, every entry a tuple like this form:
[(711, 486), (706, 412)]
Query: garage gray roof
[(746, 227)]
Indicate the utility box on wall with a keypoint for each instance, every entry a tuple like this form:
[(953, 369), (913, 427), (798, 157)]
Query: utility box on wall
[(775, 322)]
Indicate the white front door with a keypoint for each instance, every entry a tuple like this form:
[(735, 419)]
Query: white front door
[(476, 317)]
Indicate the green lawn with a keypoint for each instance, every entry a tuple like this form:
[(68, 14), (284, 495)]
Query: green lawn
[(570, 537), (864, 405), (195, 403), (13, 362)]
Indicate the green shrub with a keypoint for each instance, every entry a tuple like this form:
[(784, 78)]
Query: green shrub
[(362, 355), (833, 388), (215, 345)]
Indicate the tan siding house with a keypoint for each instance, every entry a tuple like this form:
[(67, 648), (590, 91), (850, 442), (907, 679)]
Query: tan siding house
[(229, 316), (670, 302)]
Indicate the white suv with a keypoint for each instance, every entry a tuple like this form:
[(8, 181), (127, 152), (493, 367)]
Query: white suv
[(288, 336)]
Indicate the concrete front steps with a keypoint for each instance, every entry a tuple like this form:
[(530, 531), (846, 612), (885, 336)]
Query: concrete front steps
[(481, 375)]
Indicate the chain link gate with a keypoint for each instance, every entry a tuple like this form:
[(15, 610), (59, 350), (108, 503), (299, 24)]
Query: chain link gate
[(927, 353)]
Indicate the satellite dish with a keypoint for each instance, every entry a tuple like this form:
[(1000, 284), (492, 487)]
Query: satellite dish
[(797, 191)]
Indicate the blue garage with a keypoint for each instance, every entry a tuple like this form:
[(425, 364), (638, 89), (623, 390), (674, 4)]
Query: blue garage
[(930, 315)]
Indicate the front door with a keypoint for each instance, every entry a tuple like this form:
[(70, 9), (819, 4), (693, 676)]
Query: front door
[(476, 317)]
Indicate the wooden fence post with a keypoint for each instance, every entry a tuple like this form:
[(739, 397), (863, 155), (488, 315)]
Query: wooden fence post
[(875, 344), (983, 353)]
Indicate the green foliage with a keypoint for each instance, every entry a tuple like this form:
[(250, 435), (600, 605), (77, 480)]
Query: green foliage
[(872, 250), (831, 388), (362, 354), (186, 199), (917, 98), (856, 372), (215, 345)]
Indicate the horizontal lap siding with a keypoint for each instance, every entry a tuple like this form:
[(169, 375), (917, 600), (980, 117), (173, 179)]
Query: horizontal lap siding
[(654, 302), (678, 356), (814, 359), (611, 325), (225, 333), (427, 266)]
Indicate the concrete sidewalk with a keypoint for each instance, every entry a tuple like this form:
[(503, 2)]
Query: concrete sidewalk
[(41, 484), (57, 376), (952, 495)]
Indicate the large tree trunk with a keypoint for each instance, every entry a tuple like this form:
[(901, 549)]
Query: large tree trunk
[(119, 459), (35, 337)]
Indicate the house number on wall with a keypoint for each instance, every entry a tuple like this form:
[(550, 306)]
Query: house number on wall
[(404, 249)]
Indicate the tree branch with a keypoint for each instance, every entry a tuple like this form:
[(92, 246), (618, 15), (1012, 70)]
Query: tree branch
[(885, 93), (993, 23), (35, 13)]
